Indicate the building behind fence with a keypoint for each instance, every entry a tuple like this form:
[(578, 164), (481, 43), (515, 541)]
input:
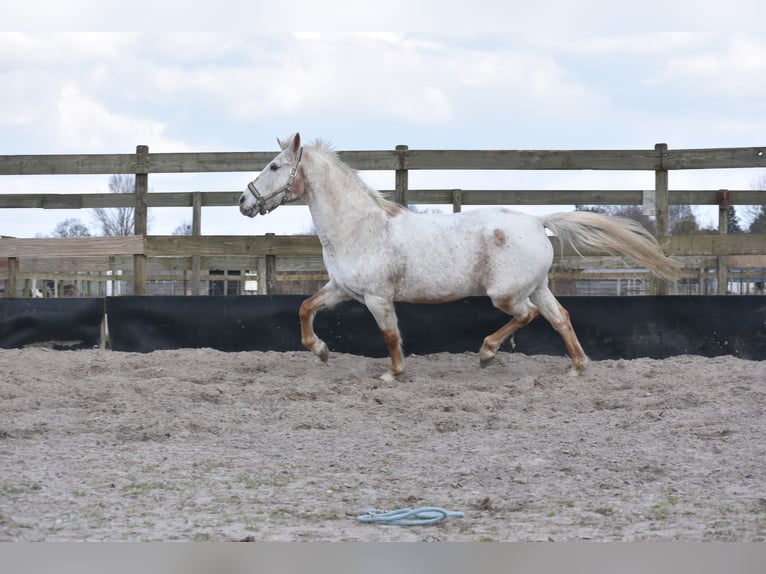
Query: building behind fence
[(144, 264)]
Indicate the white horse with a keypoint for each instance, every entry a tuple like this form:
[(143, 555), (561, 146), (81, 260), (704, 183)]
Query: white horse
[(378, 252)]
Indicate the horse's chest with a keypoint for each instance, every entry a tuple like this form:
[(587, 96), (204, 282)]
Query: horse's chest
[(359, 270)]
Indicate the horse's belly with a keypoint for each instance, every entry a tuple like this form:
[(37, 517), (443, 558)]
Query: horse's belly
[(439, 294), (438, 279)]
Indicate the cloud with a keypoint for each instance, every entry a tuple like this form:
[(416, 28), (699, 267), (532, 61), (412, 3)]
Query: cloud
[(532, 80), (383, 77), (74, 50), (106, 93), (733, 68), (86, 125)]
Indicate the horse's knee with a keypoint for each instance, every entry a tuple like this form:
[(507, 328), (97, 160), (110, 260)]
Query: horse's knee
[(392, 339)]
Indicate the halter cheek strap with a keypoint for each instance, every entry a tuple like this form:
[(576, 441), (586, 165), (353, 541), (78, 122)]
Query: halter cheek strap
[(285, 189)]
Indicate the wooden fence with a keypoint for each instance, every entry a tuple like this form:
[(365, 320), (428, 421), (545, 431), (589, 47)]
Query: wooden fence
[(143, 258)]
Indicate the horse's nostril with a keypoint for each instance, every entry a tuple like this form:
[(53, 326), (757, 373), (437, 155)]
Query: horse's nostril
[(241, 199)]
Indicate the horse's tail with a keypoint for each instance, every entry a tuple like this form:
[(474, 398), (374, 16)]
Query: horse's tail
[(615, 235)]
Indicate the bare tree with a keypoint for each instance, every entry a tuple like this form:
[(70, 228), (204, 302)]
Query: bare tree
[(184, 229), (681, 220), (71, 228), (757, 213), (117, 220), (758, 223), (733, 224)]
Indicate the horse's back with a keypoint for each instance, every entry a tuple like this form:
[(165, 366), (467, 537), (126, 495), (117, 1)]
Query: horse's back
[(498, 230)]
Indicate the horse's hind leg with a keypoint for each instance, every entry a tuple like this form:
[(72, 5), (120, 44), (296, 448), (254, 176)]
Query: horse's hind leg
[(558, 317), (523, 313), (327, 296), (383, 311)]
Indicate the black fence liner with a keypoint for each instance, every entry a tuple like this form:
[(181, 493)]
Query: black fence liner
[(57, 323), (608, 327)]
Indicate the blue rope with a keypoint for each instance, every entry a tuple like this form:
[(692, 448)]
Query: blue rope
[(408, 516)]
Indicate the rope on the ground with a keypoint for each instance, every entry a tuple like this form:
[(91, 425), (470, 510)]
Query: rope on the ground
[(408, 516)]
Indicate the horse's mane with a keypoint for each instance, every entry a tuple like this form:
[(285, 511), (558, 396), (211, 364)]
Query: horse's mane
[(325, 149)]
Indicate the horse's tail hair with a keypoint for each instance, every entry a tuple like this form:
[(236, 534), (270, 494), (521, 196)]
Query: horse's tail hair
[(615, 235)]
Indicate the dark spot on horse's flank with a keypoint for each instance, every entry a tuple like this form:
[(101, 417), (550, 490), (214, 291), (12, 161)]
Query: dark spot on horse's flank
[(500, 238)]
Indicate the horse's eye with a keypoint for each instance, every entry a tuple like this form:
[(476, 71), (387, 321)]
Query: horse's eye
[(274, 167)]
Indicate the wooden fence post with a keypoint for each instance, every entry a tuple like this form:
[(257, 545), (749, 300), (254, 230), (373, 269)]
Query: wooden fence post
[(723, 224), (10, 284), (113, 271), (271, 272), (401, 177), (661, 205), (261, 265), (140, 217), (196, 232), (457, 200)]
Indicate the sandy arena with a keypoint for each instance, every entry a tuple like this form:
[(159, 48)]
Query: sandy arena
[(199, 444)]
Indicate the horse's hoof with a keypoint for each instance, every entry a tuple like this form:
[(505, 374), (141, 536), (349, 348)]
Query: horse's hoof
[(578, 368), (390, 376), (323, 353), (575, 372), (485, 358)]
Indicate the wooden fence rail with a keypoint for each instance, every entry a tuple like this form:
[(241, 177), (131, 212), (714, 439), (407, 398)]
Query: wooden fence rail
[(187, 252), (660, 158)]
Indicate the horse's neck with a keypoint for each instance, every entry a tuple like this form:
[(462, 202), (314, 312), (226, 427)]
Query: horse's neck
[(338, 203)]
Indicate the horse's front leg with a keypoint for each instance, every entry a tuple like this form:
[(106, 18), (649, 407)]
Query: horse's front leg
[(327, 296), (383, 311)]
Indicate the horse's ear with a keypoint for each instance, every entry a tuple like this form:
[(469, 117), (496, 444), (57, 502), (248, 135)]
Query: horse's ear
[(295, 139)]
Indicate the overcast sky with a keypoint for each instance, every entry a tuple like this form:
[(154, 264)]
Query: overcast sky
[(108, 92)]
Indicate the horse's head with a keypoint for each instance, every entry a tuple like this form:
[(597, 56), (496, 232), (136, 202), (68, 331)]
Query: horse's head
[(274, 185)]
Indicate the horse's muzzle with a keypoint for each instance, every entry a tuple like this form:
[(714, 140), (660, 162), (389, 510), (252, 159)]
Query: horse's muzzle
[(250, 203), (248, 212), (259, 202), (248, 209)]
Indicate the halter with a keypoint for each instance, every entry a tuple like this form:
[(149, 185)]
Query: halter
[(261, 199)]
